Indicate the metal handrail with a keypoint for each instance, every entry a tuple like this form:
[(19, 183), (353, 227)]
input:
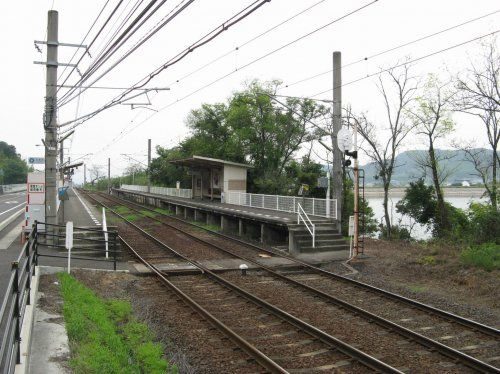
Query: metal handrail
[(300, 215), (17, 297)]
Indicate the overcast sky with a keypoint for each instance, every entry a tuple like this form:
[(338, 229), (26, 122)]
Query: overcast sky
[(382, 25)]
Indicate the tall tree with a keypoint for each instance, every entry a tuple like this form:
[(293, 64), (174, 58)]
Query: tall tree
[(270, 133), (479, 96), (432, 119), (13, 169), (398, 89)]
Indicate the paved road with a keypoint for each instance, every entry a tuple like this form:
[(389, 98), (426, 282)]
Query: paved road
[(11, 203)]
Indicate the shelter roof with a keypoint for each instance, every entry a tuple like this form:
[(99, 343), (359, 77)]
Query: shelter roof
[(199, 161)]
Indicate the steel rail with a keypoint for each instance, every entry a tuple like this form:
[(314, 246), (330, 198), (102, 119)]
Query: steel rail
[(452, 353), (414, 303), (328, 339)]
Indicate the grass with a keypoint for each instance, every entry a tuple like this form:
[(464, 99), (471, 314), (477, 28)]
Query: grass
[(485, 256), (164, 211), (148, 213), (206, 226), (416, 288), (427, 260), (105, 337)]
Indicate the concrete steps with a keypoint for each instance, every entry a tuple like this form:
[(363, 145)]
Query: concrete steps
[(327, 238)]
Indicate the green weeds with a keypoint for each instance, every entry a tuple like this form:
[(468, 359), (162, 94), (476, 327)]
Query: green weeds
[(485, 256), (105, 337)]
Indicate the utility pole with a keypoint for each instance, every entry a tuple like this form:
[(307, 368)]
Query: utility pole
[(109, 175), (336, 126), (356, 191), (84, 174), (149, 164), (50, 122)]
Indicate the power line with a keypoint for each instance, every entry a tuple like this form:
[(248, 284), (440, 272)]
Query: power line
[(394, 48), (250, 63), (180, 56), (125, 35), (85, 37), (93, 40), (247, 42)]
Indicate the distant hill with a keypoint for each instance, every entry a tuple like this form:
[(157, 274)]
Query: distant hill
[(407, 168)]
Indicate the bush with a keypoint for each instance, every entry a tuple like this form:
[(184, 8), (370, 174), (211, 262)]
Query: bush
[(397, 232), (485, 256), (484, 223)]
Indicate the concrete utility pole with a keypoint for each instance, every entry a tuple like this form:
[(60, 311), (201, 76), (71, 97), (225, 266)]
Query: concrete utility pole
[(109, 175), (50, 121), (149, 164), (336, 126)]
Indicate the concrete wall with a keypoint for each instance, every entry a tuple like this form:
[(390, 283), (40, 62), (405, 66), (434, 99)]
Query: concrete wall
[(234, 173)]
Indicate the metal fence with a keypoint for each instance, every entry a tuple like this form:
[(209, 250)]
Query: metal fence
[(17, 296), (7, 188), (312, 206), (167, 191)]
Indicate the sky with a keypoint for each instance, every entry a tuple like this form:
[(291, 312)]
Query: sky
[(119, 130)]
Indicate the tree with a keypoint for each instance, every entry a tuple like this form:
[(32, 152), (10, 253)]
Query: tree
[(13, 168), (269, 133), (432, 120), (96, 173), (479, 96), (398, 89), (166, 174)]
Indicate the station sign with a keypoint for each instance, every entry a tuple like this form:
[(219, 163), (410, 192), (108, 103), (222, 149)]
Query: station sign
[(36, 187), (36, 160)]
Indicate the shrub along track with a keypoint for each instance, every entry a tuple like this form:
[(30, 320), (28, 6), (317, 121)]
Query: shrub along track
[(398, 346)]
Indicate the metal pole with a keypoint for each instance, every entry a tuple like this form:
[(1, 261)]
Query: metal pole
[(50, 123), (356, 191), (336, 126), (149, 164), (84, 174), (109, 175)]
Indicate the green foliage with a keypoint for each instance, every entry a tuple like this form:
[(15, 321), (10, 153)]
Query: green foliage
[(370, 221), (484, 223), (148, 213), (163, 211), (485, 256), (428, 260), (104, 336), (397, 233), (249, 128), (13, 168), (206, 226), (419, 202)]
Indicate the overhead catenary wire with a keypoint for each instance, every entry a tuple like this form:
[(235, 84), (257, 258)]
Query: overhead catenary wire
[(93, 41), (311, 97), (399, 46), (252, 62), (131, 29), (85, 38), (408, 62), (172, 61), (237, 48), (170, 16)]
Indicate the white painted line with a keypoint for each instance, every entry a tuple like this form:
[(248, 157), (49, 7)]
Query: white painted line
[(8, 238), (6, 222), (8, 210), (89, 212)]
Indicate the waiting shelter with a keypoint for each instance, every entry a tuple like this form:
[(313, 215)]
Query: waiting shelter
[(214, 178)]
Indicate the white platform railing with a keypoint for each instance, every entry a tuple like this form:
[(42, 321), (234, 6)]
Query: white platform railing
[(311, 206), (311, 227), (167, 191)]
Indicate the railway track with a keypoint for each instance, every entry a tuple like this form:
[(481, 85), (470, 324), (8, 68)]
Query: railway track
[(405, 345)]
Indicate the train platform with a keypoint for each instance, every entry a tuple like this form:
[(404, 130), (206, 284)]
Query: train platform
[(278, 229), (247, 212)]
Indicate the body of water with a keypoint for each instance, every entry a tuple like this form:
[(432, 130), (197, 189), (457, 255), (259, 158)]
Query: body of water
[(418, 231)]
